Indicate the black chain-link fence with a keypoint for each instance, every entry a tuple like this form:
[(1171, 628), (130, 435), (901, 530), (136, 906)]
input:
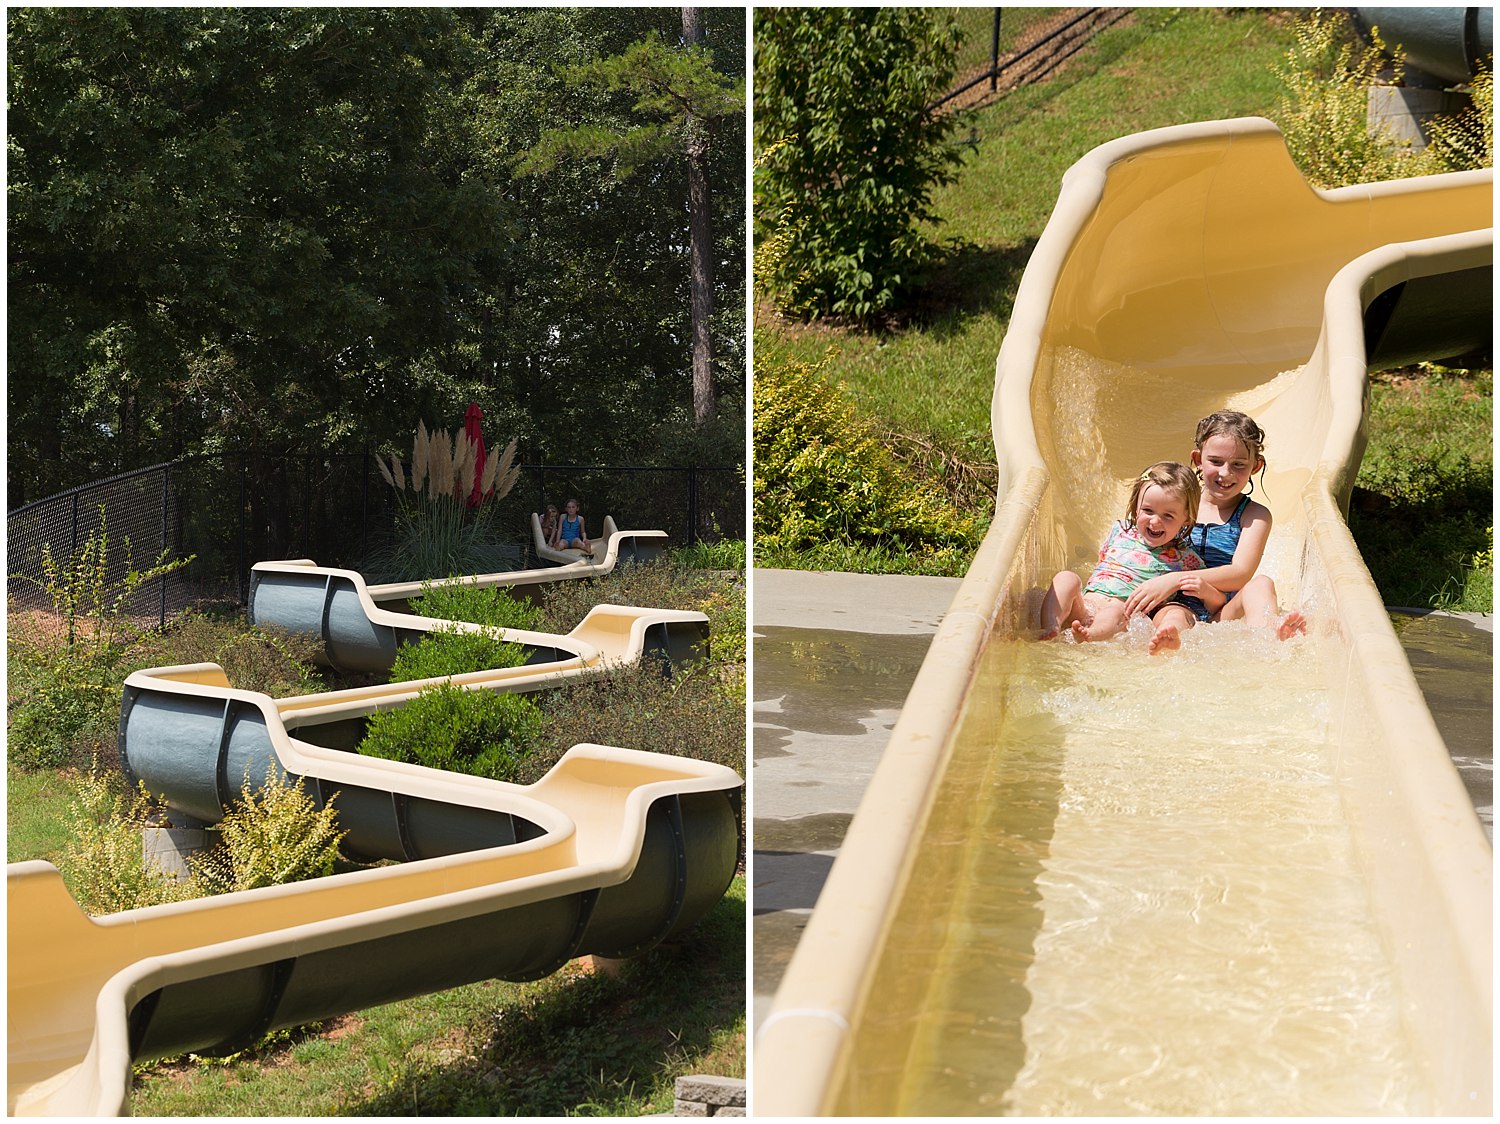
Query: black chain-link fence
[(230, 512)]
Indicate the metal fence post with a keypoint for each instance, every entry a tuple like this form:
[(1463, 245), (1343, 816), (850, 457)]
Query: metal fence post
[(364, 505), (692, 535), (166, 493), (995, 53)]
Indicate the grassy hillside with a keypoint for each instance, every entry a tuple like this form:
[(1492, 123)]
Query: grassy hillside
[(1161, 67)]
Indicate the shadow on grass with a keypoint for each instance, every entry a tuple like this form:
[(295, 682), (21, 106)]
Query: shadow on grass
[(1420, 558), (967, 281), (593, 1044)]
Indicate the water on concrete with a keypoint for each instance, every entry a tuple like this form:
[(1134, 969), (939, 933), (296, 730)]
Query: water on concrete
[(1452, 657), (825, 702)]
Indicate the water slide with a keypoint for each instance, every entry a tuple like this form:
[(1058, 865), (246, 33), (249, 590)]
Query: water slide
[(612, 852), (1242, 878), (361, 625)]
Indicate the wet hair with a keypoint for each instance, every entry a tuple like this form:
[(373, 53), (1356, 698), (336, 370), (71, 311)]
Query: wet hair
[(1232, 423), (1171, 477)]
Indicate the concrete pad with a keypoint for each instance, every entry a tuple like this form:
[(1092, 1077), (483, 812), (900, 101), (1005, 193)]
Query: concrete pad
[(834, 657), (869, 603)]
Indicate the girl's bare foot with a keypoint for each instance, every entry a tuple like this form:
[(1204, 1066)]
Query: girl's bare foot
[(1167, 638), (1291, 625), (1081, 632)]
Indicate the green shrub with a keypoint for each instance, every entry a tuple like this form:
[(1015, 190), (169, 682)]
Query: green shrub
[(91, 589), (254, 657), (444, 653), (688, 715), (848, 154), (725, 554), (481, 733), (822, 476), (66, 666), (65, 708), (494, 606), (1466, 140), (1325, 112), (274, 834)]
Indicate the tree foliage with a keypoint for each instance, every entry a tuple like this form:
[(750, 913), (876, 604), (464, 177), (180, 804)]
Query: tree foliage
[(299, 228), (848, 153)]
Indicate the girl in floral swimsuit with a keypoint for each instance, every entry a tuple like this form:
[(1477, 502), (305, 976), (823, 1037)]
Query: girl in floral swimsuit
[(1150, 541)]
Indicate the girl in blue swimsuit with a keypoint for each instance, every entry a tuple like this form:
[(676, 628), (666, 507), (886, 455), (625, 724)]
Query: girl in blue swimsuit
[(571, 533), (1231, 529)]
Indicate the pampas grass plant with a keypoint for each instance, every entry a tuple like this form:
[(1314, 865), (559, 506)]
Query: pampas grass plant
[(437, 533)]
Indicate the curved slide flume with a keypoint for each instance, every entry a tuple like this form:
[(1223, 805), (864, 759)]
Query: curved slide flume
[(1184, 270), (627, 849), (195, 740), (361, 625)]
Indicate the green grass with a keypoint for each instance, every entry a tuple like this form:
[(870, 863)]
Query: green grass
[(1422, 508), (933, 381), (575, 1043), (36, 806), (725, 554), (852, 558)]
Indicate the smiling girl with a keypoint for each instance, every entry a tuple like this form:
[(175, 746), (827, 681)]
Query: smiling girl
[(1151, 541)]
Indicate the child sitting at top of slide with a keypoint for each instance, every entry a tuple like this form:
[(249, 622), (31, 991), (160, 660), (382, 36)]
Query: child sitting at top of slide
[(1150, 541), (1230, 529), (571, 533)]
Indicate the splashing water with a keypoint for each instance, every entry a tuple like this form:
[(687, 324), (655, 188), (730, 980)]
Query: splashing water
[(1156, 908)]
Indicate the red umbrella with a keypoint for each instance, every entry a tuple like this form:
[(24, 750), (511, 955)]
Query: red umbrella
[(472, 417)]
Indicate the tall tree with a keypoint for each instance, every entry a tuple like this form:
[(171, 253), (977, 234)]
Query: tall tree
[(228, 227), (680, 100), (700, 238), (303, 229)]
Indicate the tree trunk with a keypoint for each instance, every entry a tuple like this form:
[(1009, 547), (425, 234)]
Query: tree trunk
[(700, 240)]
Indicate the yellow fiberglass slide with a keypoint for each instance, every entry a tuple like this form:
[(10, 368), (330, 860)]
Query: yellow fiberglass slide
[(612, 852), (1239, 878)]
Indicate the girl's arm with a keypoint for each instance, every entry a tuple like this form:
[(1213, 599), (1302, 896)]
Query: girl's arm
[(1255, 529)]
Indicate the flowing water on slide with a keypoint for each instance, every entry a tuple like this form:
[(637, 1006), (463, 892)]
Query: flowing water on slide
[(1138, 895)]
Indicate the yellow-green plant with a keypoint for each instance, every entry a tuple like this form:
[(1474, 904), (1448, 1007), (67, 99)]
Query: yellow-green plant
[(822, 474), (85, 594), (1466, 140), (65, 688), (437, 533), (274, 834), (1325, 113), (104, 863)]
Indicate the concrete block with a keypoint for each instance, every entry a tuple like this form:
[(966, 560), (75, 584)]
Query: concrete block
[(716, 1091)]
